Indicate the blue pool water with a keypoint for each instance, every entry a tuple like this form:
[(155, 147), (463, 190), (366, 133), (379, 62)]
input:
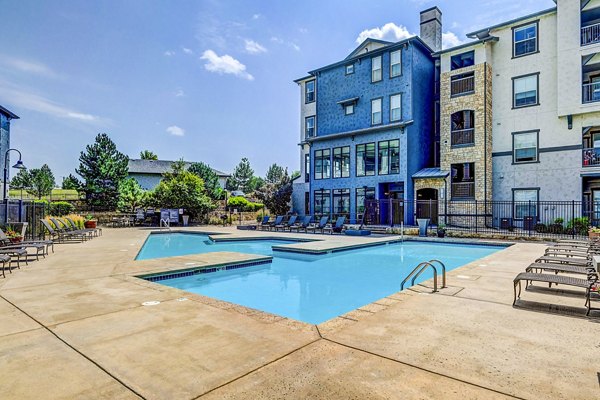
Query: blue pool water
[(309, 288)]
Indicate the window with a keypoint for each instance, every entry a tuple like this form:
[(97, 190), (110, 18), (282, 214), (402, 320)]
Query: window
[(306, 203), (376, 69), (309, 127), (365, 159), (349, 69), (395, 107), (389, 157), (525, 147), (395, 63), (525, 91), (462, 60), (463, 181), (349, 109), (307, 168), (376, 111), (341, 202), (525, 39), (462, 130), (322, 164), (525, 201), (309, 90), (341, 162), (363, 195), (322, 201)]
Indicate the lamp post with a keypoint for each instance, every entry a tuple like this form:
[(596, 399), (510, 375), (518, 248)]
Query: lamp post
[(18, 165)]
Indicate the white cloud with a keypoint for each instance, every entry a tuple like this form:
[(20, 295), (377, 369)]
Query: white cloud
[(175, 130), (294, 46), (275, 39), (179, 93), (449, 39), (187, 51), (253, 47), (389, 31), (169, 53), (279, 40), (225, 65), (27, 66), (256, 16)]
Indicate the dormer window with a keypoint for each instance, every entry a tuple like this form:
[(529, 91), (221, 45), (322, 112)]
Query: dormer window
[(349, 69), (348, 105)]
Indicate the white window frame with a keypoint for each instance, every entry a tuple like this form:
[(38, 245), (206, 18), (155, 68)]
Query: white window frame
[(535, 38), (392, 63), (535, 76), (349, 109), (376, 73), (392, 108), (351, 66), (314, 126), (517, 135), (525, 202), (306, 91), (375, 112)]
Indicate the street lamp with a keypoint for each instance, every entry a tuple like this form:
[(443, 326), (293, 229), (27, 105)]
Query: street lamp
[(18, 165)]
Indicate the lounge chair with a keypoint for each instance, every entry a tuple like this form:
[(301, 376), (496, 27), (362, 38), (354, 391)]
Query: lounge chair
[(62, 235), (5, 258), (290, 222), (264, 223), (5, 241), (303, 225), (65, 228), (338, 227), (277, 221), (586, 284), (556, 268), (16, 252), (320, 226), (95, 231), (582, 262)]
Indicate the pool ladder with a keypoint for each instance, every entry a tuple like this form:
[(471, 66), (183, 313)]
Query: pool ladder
[(419, 269)]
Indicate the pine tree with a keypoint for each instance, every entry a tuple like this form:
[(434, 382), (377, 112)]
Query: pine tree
[(274, 174), (70, 183), (148, 155), (42, 181), (210, 178), (241, 177), (21, 181), (102, 168)]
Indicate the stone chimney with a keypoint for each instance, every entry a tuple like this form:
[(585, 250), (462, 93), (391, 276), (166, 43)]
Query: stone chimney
[(431, 28)]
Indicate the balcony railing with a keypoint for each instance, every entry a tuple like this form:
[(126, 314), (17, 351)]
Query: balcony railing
[(462, 86), (462, 137), (590, 157), (590, 34), (463, 190), (591, 92)]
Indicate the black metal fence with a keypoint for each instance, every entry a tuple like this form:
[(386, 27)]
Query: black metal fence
[(20, 211), (508, 218)]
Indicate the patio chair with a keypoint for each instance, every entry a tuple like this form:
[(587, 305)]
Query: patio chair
[(95, 231), (5, 258), (264, 224), (302, 225), (140, 216), (320, 226), (338, 227), (556, 259), (277, 222), (290, 222), (62, 235), (7, 246), (587, 284), (16, 252), (556, 268), (64, 227), (4, 240)]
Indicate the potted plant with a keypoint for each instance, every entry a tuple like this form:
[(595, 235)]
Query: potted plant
[(441, 230), (14, 236), (90, 222), (594, 233)]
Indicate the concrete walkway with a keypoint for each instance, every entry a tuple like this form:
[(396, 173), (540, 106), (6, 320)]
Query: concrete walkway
[(73, 326)]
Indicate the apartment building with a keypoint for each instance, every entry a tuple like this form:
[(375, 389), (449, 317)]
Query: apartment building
[(367, 127), (5, 117)]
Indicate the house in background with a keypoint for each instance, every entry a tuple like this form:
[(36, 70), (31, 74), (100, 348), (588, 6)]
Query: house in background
[(148, 173), (5, 117)]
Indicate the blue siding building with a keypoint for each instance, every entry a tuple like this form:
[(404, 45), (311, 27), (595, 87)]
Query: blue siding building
[(372, 129)]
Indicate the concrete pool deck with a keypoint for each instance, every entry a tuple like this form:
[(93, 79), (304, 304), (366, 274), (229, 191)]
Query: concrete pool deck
[(73, 326)]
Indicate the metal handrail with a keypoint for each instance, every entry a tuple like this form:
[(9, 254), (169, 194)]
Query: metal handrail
[(443, 271), (421, 267)]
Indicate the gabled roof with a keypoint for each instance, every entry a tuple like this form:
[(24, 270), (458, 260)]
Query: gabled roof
[(8, 113), (366, 45), (138, 166), (484, 32)]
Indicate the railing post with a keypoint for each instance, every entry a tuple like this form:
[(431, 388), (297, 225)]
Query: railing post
[(529, 214), (476, 229), (573, 218)]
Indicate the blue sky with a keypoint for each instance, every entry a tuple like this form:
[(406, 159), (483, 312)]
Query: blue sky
[(204, 80)]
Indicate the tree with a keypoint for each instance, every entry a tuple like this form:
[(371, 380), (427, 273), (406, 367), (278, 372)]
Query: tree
[(71, 183), (102, 168), (42, 181), (131, 195), (21, 181), (241, 177), (274, 174), (210, 178), (182, 189), (295, 174), (277, 196), (148, 155), (256, 182)]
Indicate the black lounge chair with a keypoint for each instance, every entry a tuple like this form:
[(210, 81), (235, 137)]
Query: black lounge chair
[(586, 284), (5, 258), (73, 227), (303, 225), (264, 223), (338, 227), (47, 244), (275, 223), (556, 268), (290, 222), (320, 226), (16, 252), (581, 262), (62, 235), (65, 228)]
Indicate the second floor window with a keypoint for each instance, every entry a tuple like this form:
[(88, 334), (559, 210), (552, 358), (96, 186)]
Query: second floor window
[(463, 181), (349, 109), (462, 130), (525, 145), (341, 162), (395, 107), (322, 164), (309, 89), (307, 168), (462, 60), (376, 69), (395, 63), (525, 40), (365, 159), (389, 157), (309, 127), (525, 91), (376, 111)]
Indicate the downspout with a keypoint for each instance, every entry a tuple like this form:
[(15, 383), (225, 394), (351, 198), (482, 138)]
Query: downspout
[(485, 133)]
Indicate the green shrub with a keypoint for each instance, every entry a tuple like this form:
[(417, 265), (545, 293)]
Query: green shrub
[(541, 228), (242, 204), (579, 225), (60, 208), (559, 221)]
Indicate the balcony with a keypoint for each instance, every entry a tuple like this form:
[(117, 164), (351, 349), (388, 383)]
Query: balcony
[(590, 157), (590, 34), (591, 92), (463, 190), (462, 85), (462, 137)]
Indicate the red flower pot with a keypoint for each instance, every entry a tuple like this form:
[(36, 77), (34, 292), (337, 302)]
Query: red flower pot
[(91, 224)]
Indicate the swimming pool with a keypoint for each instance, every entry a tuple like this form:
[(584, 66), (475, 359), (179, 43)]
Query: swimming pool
[(315, 288)]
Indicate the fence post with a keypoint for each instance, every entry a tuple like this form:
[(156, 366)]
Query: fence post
[(573, 218), (476, 216), (530, 216), (391, 212)]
